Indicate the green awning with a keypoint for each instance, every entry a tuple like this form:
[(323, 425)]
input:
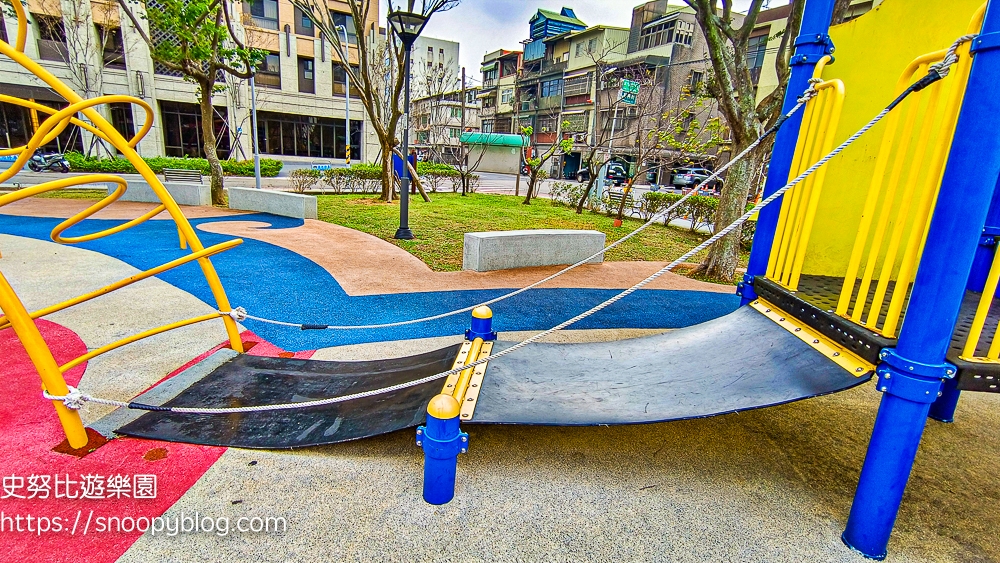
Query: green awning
[(492, 139)]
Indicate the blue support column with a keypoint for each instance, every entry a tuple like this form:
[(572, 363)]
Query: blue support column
[(442, 441), (943, 409), (911, 375), (810, 46)]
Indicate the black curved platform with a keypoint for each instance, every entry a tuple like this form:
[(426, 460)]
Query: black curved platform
[(737, 362)]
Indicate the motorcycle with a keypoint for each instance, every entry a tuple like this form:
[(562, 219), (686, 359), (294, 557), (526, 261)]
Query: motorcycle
[(51, 161)]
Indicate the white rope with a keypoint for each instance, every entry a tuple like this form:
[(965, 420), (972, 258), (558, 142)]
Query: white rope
[(75, 399), (239, 314), (950, 58)]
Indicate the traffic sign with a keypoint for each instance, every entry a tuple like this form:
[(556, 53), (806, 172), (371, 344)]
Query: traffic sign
[(630, 89)]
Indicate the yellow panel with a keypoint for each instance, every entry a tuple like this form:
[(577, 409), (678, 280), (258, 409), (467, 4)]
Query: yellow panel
[(872, 51), (475, 384)]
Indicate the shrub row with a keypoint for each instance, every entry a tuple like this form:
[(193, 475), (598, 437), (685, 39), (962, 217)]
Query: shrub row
[(269, 167), (367, 178)]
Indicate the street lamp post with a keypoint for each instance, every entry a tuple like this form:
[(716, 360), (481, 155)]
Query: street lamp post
[(347, 93), (407, 25), (255, 136)]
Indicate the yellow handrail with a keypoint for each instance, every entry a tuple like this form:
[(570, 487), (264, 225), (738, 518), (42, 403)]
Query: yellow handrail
[(13, 310), (798, 208)]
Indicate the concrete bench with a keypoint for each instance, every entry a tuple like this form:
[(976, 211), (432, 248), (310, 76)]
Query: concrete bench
[(182, 175), (502, 250), (183, 193), (269, 201)]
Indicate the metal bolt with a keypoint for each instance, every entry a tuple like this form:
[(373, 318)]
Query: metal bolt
[(815, 340), (767, 311), (859, 370), (836, 354), (464, 450), (797, 329), (884, 389), (470, 399), (419, 443), (950, 371), (781, 319), (883, 355), (927, 392), (911, 368), (887, 375), (419, 431), (465, 439), (940, 393)]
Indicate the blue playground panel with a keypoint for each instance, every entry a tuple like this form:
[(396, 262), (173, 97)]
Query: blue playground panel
[(272, 282)]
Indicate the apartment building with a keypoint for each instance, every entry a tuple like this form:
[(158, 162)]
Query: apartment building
[(301, 89), (438, 124), (434, 67)]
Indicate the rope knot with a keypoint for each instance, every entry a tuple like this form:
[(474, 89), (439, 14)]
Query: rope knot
[(238, 314), (809, 92), (73, 399), (950, 58)]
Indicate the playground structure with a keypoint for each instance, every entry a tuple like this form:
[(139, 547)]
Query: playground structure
[(868, 276)]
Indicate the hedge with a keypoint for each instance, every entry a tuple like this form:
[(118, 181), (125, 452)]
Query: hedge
[(269, 167)]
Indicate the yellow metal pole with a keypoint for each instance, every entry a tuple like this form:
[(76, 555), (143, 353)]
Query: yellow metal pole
[(45, 364), (119, 142), (983, 310), (463, 379)]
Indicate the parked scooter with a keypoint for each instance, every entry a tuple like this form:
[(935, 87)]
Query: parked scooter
[(52, 161)]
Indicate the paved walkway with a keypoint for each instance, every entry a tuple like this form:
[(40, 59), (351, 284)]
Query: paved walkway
[(766, 485)]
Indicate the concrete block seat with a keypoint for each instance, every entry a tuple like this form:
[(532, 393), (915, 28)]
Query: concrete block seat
[(184, 193), (502, 250), (285, 204)]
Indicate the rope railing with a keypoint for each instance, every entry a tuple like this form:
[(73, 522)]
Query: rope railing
[(75, 399)]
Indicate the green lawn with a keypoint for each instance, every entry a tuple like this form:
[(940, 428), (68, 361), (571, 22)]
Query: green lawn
[(440, 225), (73, 194)]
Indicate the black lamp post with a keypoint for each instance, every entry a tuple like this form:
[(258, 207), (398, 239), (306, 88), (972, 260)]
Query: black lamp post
[(407, 25)]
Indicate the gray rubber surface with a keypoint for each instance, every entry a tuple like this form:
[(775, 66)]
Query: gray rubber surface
[(737, 362)]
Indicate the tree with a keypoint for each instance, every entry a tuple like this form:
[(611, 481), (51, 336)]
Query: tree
[(535, 163), (196, 38), (732, 85), (378, 76)]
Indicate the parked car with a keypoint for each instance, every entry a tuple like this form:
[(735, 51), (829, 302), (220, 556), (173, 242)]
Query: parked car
[(616, 174), (687, 177)]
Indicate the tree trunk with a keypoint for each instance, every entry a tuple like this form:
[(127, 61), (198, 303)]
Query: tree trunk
[(532, 178), (723, 256), (387, 173), (208, 136), (586, 193)]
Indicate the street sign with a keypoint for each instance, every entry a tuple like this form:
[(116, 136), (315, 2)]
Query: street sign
[(630, 89)]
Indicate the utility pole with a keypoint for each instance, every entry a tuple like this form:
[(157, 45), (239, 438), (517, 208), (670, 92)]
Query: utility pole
[(255, 134), (516, 128), (347, 93), (464, 163)]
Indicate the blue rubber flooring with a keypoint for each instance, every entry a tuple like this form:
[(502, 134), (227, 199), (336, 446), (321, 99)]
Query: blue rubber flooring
[(272, 282)]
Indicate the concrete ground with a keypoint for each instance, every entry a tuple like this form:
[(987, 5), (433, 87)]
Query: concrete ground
[(767, 485)]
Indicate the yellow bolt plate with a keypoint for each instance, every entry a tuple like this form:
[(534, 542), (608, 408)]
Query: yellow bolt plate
[(833, 351), (463, 353), (468, 403)]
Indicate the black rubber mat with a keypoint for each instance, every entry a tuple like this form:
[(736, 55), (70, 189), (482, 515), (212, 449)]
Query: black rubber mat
[(254, 380), (737, 362)]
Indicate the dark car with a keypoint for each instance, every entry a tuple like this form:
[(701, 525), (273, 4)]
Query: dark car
[(616, 174)]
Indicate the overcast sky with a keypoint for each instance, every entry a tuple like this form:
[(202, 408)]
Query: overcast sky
[(481, 26)]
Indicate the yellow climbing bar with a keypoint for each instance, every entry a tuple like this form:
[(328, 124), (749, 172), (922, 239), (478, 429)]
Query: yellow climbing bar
[(798, 207), (907, 176), (979, 321)]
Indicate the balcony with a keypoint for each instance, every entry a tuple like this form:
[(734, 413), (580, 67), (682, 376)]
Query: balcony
[(549, 67), (529, 105)]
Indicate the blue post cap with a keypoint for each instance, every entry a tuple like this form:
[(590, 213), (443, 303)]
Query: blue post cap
[(482, 324)]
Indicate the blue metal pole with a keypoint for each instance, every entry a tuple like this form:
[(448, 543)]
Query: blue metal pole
[(442, 441), (943, 409), (911, 374), (810, 46)]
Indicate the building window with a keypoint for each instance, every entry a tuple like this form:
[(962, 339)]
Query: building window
[(263, 13), (182, 130), (487, 126), (15, 125), (423, 136), (340, 80), (756, 48), (302, 135), (114, 46), (578, 86), (547, 123), (456, 113), (507, 95), (552, 88), (121, 119), (454, 132), (347, 21), (3, 30), (51, 37), (697, 78), (592, 46), (303, 25), (269, 72), (307, 77), (575, 123)]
